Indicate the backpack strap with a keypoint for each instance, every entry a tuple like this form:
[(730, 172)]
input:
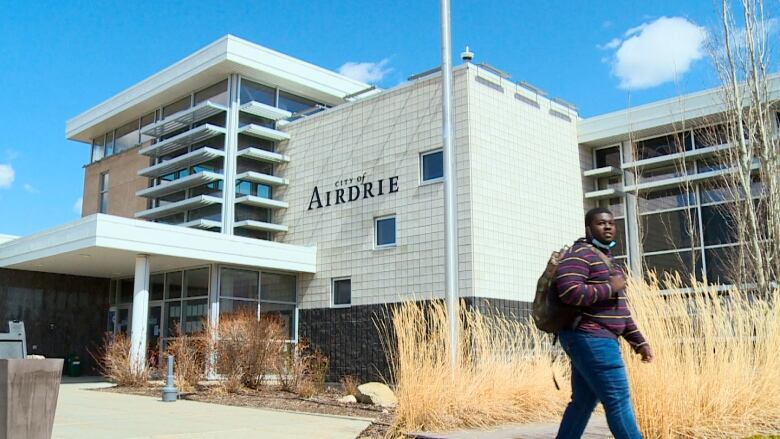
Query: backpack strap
[(604, 258)]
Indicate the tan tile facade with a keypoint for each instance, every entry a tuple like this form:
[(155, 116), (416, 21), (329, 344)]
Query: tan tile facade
[(379, 138), (123, 183)]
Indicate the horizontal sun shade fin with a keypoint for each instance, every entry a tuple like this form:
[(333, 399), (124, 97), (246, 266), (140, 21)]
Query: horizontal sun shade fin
[(263, 132), (256, 177), (252, 200), (184, 118), (262, 226), (183, 140), (265, 111), (193, 158), (202, 224), (180, 184), (179, 206), (263, 155)]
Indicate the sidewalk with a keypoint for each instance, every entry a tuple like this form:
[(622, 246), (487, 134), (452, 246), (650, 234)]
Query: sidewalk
[(89, 414), (597, 429)]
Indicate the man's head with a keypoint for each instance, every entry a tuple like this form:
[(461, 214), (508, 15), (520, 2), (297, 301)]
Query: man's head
[(600, 224)]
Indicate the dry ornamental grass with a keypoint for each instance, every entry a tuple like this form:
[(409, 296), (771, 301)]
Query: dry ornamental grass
[(716, 372)]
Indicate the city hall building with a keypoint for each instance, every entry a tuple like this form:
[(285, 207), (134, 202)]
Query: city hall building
[(243, 178)]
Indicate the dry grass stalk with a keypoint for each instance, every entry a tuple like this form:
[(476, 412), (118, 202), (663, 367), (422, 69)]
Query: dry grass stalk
[(303, 370), (189, 352), (504, 373), (716, 371), (113, 360), (350, 385)]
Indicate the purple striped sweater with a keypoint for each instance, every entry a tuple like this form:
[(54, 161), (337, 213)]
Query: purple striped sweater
[(582, 280)]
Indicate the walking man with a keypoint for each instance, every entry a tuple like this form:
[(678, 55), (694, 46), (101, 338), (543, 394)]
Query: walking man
[(588, 278)]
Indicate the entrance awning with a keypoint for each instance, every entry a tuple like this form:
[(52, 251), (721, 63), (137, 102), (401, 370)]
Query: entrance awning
[(106, 246)]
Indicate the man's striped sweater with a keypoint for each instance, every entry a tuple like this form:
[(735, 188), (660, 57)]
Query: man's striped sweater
[(582, 280)]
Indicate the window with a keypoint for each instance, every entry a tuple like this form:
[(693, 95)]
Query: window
[(98, 148), (342, 292), (432, 166), (238, 291), (103, 193), (384, 231), (293, 103), (217, 94), (252, 91), (663, 145), (126, 136), (608, 157)]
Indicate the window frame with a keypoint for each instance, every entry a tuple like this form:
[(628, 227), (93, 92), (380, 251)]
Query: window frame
[(422, 155), (377, 245), (333, 281), (104, 179)]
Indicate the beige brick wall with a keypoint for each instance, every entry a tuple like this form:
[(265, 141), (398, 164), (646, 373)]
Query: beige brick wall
[(123, 183), (380, 137), (526, 189)]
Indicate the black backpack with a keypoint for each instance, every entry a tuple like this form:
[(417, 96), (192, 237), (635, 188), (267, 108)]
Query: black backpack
[(550, 314)]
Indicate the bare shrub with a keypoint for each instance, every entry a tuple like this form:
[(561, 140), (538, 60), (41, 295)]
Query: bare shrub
[(189, 352), (716, 372), (350, 385), (503, 374), (303, 370), (248, 350), (113, 360)]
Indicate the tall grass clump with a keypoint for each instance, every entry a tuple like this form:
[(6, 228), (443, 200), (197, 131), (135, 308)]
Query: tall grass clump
[(716, 371), (190, 353), (113, 362), (503, 375)]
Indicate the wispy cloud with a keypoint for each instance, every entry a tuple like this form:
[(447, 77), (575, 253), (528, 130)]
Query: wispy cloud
[(656, 52), (30, 188), (368, 72), (12, 154), (77, 205), (7, 176)]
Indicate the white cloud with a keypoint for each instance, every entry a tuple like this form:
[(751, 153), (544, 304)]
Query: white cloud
[(7, 176), (656, 52), (77, 205), (612, 44), (30, 188), (368, 72)]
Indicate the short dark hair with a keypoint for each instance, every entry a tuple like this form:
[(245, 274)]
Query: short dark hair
[(591, 215)]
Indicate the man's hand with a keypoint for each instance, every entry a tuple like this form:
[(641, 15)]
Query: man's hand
[(617, 282), (646, 353)]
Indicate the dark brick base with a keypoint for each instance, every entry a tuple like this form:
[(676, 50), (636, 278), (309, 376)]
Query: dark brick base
[(62, 314), (350, 339)]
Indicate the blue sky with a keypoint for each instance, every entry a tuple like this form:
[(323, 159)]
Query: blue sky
[(61, 58)]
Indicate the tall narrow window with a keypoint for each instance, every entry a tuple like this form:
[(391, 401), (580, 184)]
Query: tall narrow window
[(103, 201)]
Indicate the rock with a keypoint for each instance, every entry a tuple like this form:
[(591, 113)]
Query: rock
[(349, 399), (377, 394)]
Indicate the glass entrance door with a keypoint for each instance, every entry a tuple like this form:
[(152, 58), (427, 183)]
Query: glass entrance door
[(154, 332)]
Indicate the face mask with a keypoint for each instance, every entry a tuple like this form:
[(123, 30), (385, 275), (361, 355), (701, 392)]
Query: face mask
[(600, 244)]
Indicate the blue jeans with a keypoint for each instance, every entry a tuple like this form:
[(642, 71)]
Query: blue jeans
[(597, 375)]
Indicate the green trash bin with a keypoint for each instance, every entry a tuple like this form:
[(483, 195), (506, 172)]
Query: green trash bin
[(73, 365)]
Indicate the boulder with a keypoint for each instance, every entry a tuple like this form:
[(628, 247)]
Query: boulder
[(376, 394), (349, 399)]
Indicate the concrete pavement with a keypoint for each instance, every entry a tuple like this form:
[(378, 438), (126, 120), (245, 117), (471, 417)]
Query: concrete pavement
[(88, 414)]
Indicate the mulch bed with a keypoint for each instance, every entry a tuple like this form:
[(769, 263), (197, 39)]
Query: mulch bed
[(325, 403)]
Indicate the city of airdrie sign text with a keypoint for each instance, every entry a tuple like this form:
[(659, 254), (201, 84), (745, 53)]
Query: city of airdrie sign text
[(347, 192)]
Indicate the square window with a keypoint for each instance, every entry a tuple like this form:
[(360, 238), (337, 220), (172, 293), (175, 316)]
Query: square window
[(432, 165), (385, 231), (342, 292)]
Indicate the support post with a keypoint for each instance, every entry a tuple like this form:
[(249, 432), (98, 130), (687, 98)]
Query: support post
[(451, 287), (140, 313)]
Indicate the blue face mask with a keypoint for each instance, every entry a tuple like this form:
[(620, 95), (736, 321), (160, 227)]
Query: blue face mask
[(600, 244)]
